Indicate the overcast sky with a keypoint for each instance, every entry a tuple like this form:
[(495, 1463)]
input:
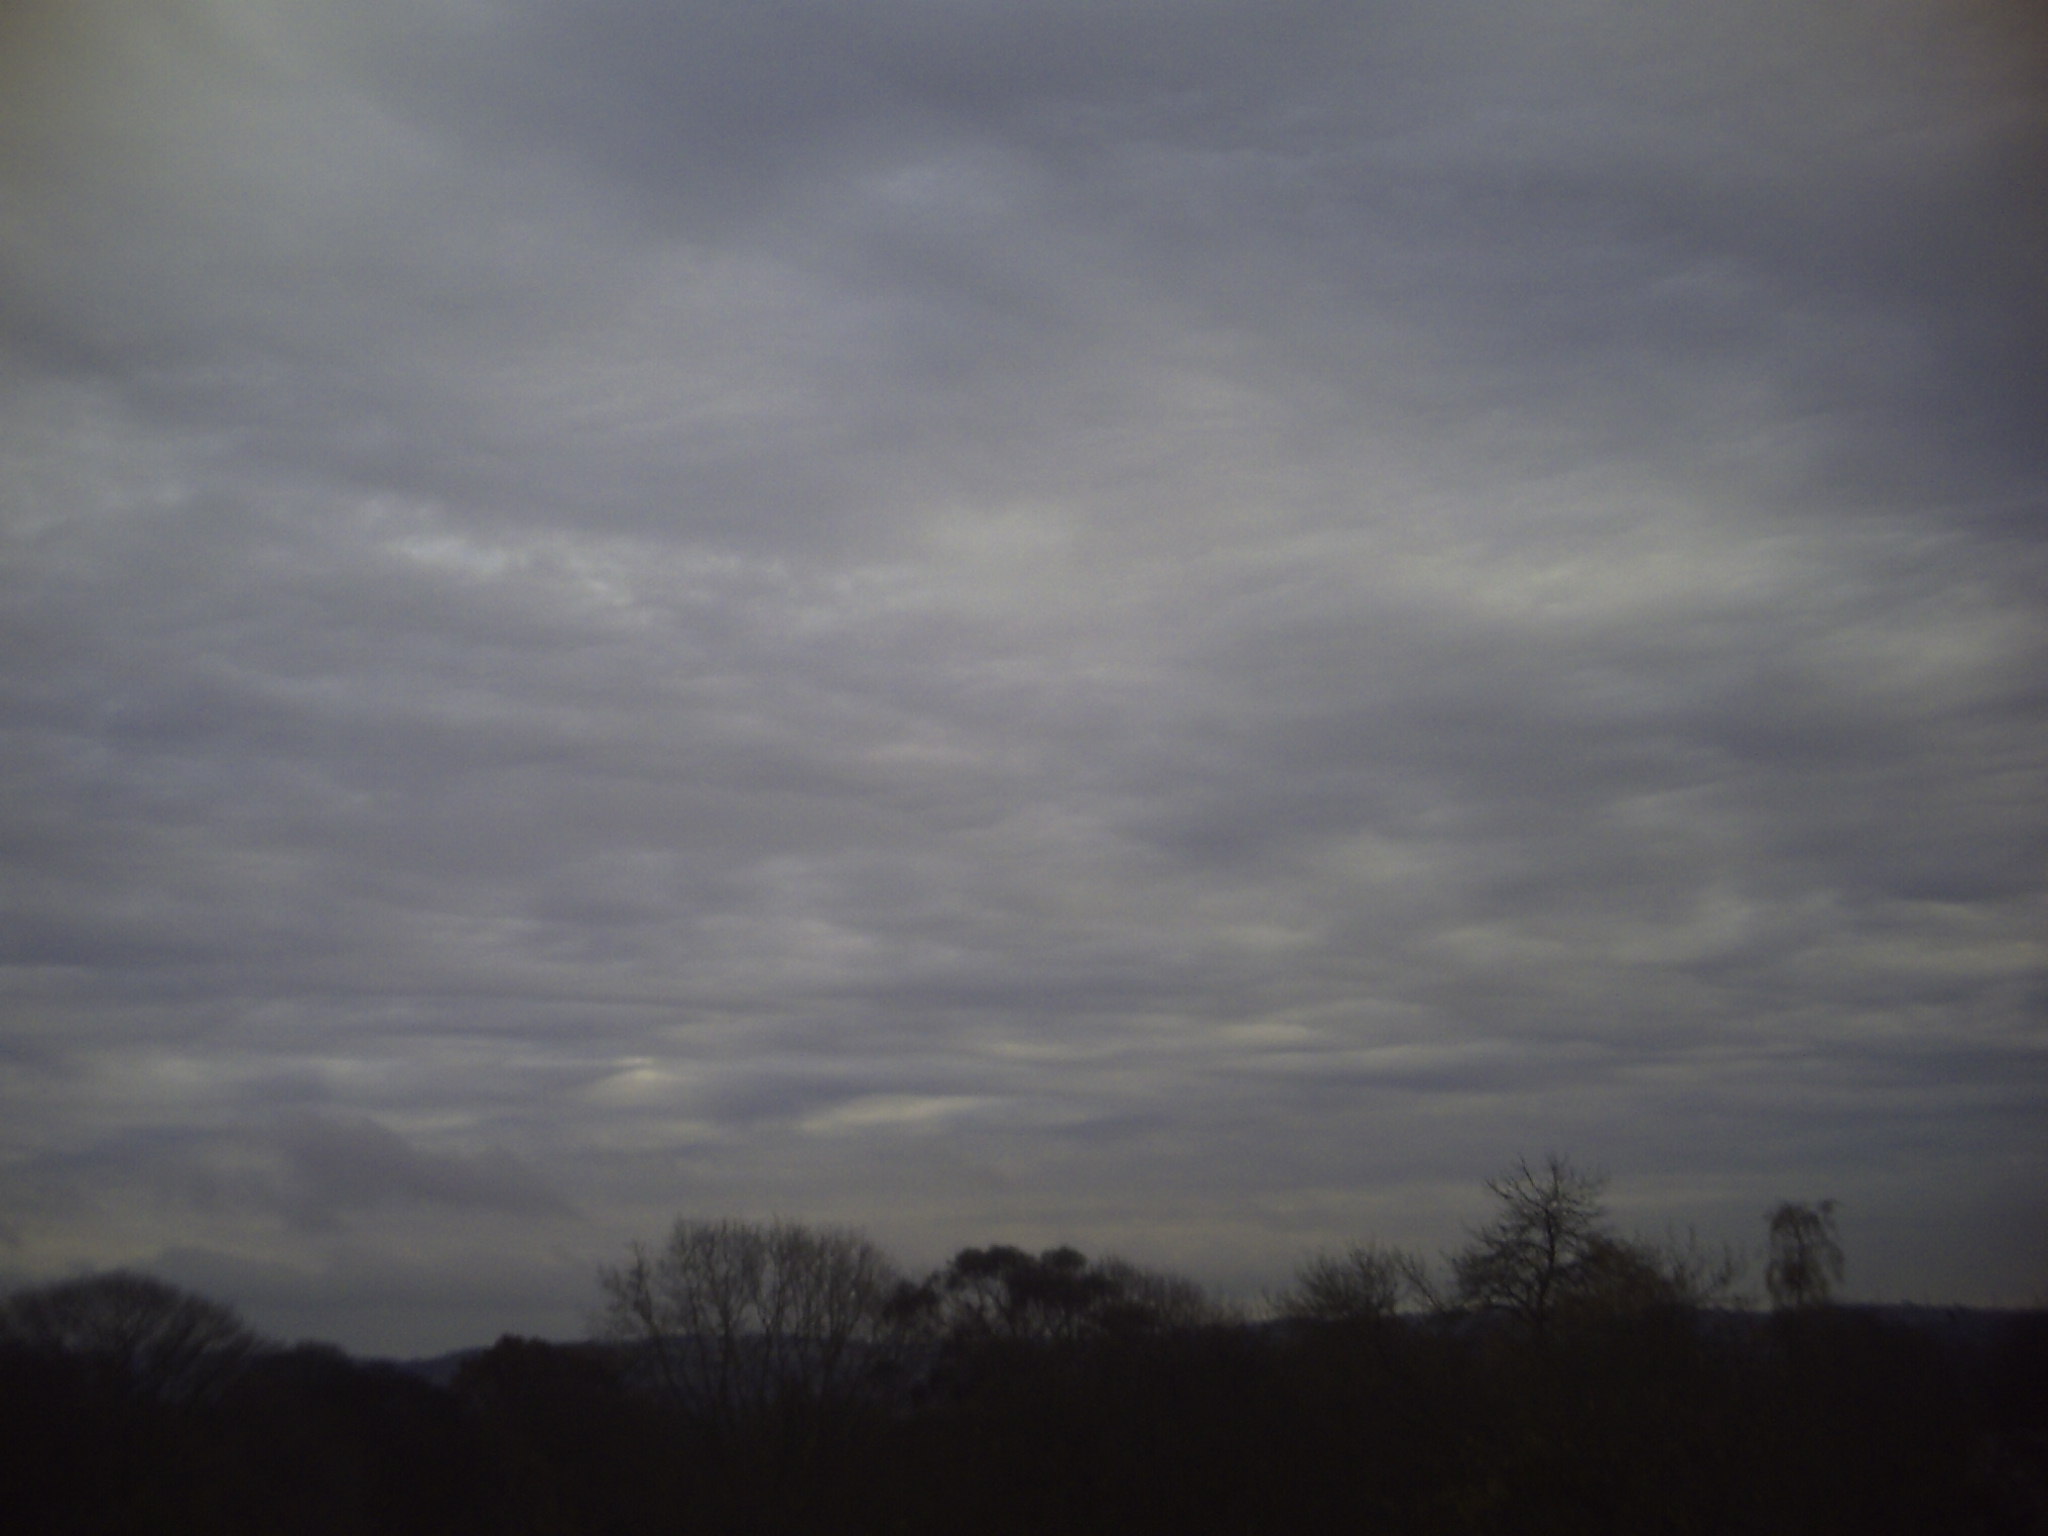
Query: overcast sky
[(1179, 625)]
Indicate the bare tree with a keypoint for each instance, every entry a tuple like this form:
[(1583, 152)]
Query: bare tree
[(1365, 1282), (1547, 1240), (1697, 1275), (740, 1317), (143, 1335), (1549, 1253), (1806, 1257)]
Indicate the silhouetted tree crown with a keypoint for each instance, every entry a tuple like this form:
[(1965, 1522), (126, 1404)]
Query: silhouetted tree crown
[(137, 1332), (1364, 1283), (1544, 1243), (739, 1317), (1003, 1294), (1549, 1254), (1806, 1260), (1053, 1392)]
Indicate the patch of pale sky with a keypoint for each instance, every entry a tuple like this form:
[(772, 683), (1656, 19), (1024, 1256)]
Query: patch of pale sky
[(903, 1112)]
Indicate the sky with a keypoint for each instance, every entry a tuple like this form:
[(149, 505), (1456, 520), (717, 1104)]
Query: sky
[(1177, 625)]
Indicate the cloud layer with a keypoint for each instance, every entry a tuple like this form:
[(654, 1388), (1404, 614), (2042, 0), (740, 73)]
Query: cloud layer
[(1185, 627)]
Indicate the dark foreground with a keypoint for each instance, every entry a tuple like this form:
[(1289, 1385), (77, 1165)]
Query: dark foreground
[(1837, 1420)]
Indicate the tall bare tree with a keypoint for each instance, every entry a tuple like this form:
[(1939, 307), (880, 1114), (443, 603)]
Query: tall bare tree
[(741, 1317), (1549, 1253), (1546, 1241)]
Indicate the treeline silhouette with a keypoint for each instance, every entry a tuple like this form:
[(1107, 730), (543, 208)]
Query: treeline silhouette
[(1550, 1376)]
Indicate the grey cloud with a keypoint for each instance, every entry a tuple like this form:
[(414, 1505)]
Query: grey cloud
[(975, 614), (335, 1167), (316, 1172)]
